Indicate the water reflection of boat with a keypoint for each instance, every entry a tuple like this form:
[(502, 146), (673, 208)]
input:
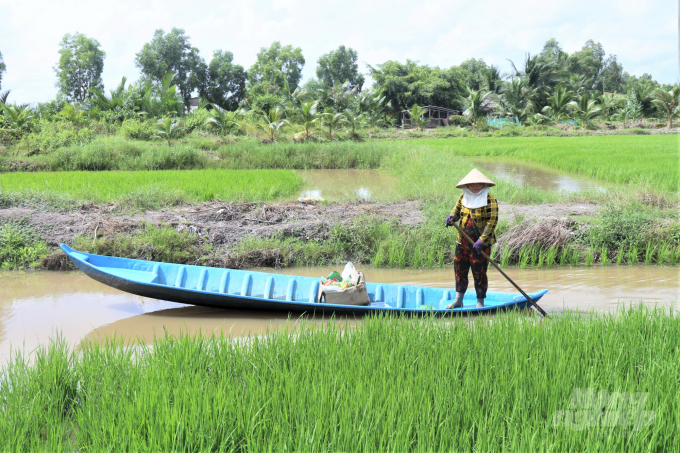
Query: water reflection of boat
[(242, 289)]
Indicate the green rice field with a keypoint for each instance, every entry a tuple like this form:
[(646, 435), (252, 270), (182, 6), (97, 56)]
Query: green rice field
[(187, 185), (605, 383), (649, 160)]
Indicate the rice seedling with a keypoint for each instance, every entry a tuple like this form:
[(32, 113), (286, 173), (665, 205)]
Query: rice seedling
[(188, 185), (590, 256), (534, 251), (524, 256), (415, 261), (564, 256), (632, 255), (575, 257), (440, 258), (649, 253), (664, 252), (541, 257), (505, 256), (604, 258), (379, 257), (401, 257), (619, 159), (674, 255), (389, 384), (551, 257), (619, 256), (392, 255)]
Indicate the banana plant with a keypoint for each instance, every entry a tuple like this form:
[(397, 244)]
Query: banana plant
[(270, 122), (584, 111), (169, 128), (558, 104), (330, 120), (668, 102), (308, 115), (222, 120)]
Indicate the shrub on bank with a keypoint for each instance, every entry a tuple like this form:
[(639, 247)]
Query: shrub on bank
[(137, 129), (54, 135), (20, 245)]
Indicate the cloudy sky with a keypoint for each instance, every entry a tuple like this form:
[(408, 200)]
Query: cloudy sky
[(643, 34)]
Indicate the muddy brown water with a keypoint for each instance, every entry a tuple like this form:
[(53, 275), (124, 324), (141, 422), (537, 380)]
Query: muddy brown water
[(347, 184), (540, 176), (34, 306)]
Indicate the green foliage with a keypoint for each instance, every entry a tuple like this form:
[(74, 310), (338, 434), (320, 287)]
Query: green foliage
[(154, 243), (559, 104), (339, 66), (53, 135), (3, 68), (668, 102), (584, 111), (417, 116), (169, 128), (270, 122), (478, 104), (137, 129), (276, 66), (80, 67), (226, 82), (224, 122), (20, 245), (172, 53)]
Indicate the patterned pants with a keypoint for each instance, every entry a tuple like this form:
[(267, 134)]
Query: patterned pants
[(467, 258)]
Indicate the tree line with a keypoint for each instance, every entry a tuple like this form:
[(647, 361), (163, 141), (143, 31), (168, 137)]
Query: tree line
[(551, 86)]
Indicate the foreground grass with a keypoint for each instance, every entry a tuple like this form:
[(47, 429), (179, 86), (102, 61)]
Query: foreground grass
[(166, 187), (640, 160), (395, 384)]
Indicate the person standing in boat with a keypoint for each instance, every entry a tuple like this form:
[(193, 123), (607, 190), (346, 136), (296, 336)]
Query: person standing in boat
[(477, 212)]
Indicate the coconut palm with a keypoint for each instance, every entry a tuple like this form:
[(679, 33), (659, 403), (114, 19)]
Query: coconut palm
[(585, 110), (308, 115), (577, 83), (668, 102), (330, 120), (518, 98), (540, 75), (222, 120), (609, 102), (16, 116), (627, 114), (374, 108), (641, 96), (493, 79), (353, 121), (558, 104), (169, 128), (74, 113), (418, 119), (478, 105), (116, 99), (271, 121)]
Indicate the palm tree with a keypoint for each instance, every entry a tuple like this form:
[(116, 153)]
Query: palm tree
[(493, 79), (577, 83), (609, 102), (331, 120), (373, 107), (418, 119), (627, 114), (117, 98), (223, 120), (74, 113), (585, 110), (478, 104), (353, 121), (169, 128), (669, 102), (641, 96), (558, 104), (16, 116), (540, 75), (271, 122), (518, 98), (308, 115)]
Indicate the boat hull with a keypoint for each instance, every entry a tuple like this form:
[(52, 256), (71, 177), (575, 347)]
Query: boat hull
[(246, 290)]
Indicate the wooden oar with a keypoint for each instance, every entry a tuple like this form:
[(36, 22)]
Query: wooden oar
[(540, 310)]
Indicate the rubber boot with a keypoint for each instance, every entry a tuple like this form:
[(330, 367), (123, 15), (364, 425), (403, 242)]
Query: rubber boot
[(458, 302), (480, 303)]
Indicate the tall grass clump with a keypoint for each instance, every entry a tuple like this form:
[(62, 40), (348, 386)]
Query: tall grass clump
[(20, 245), (390, 384)]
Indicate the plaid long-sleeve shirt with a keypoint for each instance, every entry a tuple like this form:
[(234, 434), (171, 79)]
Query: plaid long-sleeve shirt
[(485, 218)]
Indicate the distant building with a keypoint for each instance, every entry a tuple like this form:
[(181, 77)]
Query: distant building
[(193, 104), (439, 116)]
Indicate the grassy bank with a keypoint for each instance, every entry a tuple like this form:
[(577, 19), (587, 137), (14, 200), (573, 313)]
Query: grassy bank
[(398, 384), (638, 160), (150, 188)]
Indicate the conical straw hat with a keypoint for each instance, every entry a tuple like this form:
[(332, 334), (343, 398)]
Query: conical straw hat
[(475, 177)]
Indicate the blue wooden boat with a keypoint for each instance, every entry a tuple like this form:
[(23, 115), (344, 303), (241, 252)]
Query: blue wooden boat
[(243, 289)]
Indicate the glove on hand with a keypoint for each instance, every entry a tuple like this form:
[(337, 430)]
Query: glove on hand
[(450, 220), (479, 245)]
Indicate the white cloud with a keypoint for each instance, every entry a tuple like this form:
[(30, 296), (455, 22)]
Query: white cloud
[(643, 34)]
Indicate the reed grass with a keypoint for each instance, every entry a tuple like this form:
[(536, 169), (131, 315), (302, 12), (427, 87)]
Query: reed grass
[(390, 384)]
